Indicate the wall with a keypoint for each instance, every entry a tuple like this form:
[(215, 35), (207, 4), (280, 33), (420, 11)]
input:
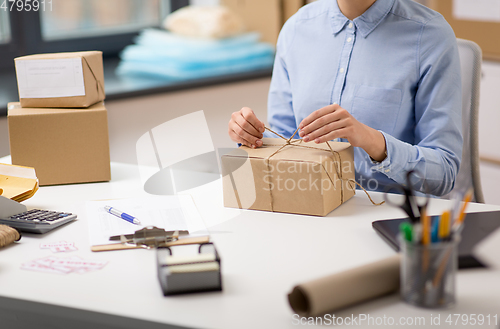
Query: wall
[(489, 113), (130, 118)]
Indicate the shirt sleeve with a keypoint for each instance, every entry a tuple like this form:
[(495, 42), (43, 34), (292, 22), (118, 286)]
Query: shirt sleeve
[(437, 151), (281, 117)]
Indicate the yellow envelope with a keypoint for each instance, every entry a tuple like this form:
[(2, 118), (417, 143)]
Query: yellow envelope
[(17, 182)]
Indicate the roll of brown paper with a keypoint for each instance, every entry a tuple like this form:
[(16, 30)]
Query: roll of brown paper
[(339, 290), (8, 235)]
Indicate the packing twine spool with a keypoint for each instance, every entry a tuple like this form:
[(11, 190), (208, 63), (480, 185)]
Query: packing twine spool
[(8, 235)]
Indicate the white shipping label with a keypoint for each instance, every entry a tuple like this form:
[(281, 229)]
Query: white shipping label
[(477, 10), (47, 78)]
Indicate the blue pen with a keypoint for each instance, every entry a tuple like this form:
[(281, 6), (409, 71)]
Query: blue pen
[(435, 230), (121, 214)]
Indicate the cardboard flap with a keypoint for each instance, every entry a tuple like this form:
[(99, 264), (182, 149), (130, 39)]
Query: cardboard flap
[(94, 64)]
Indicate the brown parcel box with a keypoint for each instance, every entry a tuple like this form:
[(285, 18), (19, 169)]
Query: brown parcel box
[(93, 78), (63, 145), (265, 16), (484, 33), (298, 179)]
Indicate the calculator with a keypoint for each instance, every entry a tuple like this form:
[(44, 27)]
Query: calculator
[(38, 221)]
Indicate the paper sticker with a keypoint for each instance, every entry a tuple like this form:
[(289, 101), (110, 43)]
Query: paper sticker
[(477, 10), (46, 78), (67, 265), (61, 246)]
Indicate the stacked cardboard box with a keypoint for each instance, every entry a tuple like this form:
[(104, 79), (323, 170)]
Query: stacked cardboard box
[(60, 125)]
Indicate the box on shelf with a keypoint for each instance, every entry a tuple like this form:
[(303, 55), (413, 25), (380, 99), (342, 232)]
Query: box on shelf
[(60, 80), (265, 16), (478, 21), (291, 179), (63, 145)]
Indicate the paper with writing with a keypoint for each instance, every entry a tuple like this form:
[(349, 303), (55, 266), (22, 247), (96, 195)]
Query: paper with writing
[(47, 78)]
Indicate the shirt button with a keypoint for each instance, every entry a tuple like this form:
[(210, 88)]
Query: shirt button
[(349, 39), (341, 70), (350, 25)]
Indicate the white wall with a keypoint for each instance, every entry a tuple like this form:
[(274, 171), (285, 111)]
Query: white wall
[(489, 111), (130, 118)]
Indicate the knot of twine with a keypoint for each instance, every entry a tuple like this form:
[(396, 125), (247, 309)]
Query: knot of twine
[(8, 235), (338, 165)]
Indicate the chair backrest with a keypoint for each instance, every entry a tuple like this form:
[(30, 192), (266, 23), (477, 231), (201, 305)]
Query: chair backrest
[(470, 62)]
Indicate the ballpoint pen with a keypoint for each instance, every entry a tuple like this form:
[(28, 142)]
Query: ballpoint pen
[(121, 214), (435, 230)]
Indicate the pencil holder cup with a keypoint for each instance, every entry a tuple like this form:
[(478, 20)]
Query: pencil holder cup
[(428, 273)]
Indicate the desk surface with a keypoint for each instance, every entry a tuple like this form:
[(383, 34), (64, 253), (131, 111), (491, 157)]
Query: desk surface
[(263, 256)]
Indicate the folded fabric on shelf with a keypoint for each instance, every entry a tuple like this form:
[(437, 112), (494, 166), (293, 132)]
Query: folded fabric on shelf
[(163, 54)]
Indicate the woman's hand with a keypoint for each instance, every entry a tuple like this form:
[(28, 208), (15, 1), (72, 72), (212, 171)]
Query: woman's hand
[(245, 128), (333, 121)]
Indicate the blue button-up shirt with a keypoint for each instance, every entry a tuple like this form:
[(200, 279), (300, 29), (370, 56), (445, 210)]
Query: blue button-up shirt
[(395, 68)]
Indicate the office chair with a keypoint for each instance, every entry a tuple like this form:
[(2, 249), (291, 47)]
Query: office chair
[(470, 62)]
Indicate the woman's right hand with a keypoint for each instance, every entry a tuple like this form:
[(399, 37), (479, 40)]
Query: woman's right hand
[(245, 128)]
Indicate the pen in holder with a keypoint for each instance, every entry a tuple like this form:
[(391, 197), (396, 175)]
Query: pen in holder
[(428, 272), (188, 269)]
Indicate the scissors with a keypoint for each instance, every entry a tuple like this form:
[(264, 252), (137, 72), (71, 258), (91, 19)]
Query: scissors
[(410, 204)]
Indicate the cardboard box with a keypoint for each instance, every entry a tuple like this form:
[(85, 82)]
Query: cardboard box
[(478, 25), (265, 16), (293, 179), (290, 7), (61, 80), (63, 145)]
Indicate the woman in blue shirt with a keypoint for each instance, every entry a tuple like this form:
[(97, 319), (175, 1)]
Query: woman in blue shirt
[(383, 75)]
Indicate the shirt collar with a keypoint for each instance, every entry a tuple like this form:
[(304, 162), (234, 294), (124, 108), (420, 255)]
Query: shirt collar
[(365, 23)]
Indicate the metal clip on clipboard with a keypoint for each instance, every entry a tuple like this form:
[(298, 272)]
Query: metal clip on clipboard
[(148, 238)]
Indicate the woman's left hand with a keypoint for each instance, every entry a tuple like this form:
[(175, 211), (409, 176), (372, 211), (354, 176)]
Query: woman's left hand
[(333, 121)]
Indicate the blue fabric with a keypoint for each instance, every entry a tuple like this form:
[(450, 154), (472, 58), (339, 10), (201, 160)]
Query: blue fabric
[(163, 54), (395, 68)]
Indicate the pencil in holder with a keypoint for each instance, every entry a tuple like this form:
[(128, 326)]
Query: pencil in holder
[(428, 273)]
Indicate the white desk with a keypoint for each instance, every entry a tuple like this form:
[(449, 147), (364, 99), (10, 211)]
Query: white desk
[(263, 256)]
